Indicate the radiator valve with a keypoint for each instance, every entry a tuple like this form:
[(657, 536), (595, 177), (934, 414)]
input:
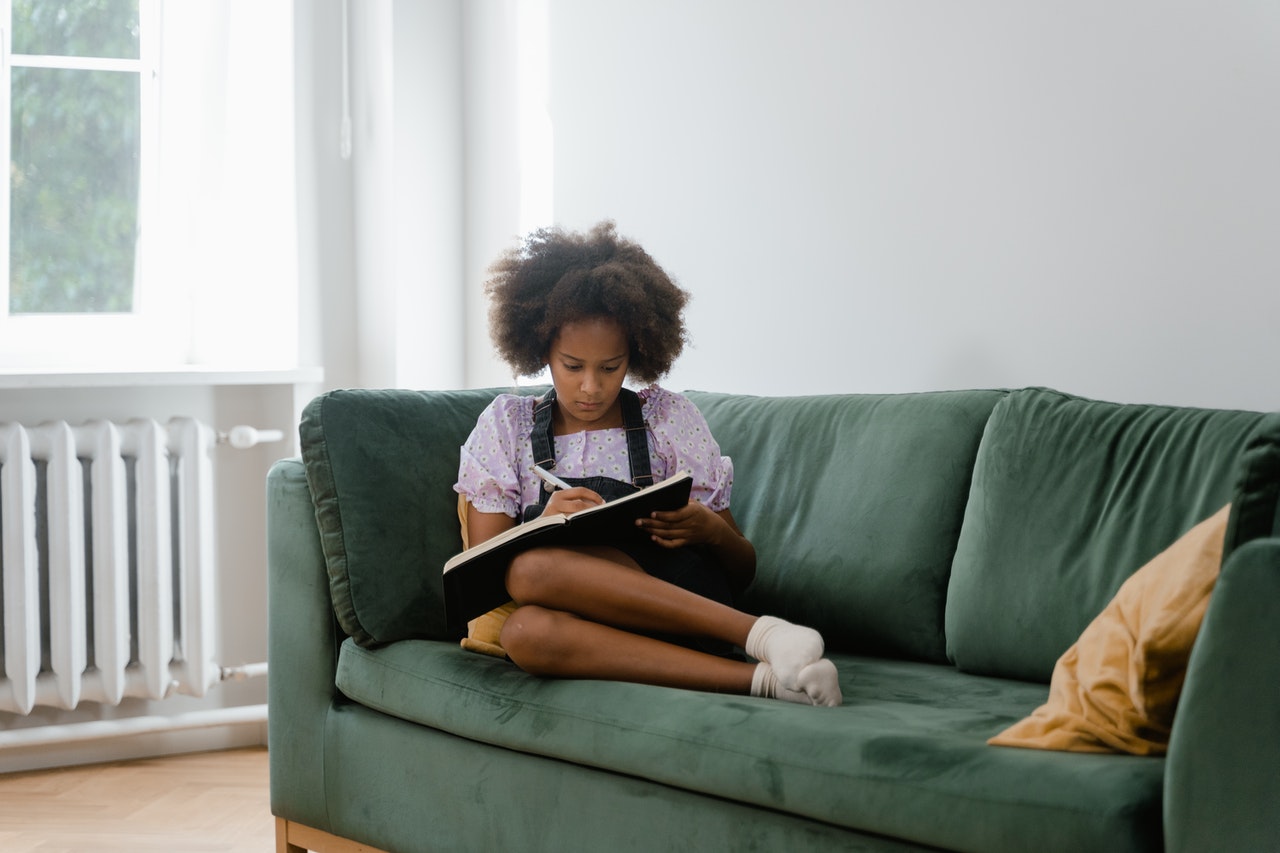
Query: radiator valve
[(243, 437)]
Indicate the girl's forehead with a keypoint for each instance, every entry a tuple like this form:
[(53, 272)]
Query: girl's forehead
[(592, 336)]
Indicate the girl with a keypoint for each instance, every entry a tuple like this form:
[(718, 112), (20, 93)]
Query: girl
[(596, 308)]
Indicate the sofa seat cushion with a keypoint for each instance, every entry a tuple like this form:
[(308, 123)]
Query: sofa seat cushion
[(905, 756)]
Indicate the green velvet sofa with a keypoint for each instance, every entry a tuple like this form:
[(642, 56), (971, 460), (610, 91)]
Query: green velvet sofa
[(949, 546)]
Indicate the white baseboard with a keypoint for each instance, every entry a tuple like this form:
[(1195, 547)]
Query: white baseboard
[(129, 747)]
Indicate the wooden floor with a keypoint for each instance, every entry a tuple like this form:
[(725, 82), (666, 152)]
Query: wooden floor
[(213, 801)]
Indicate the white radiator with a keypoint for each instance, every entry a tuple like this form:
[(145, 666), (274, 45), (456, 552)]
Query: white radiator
[(107, 561)]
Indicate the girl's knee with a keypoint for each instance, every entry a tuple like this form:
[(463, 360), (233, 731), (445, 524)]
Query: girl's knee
[(529, 637), (529, 575)]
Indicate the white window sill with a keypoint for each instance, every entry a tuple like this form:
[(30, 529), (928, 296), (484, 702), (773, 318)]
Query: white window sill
[(26, 378)]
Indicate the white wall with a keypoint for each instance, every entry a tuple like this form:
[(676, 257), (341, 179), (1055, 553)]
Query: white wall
[(862, 196), (326, 256), (888, 196), (381, 230)]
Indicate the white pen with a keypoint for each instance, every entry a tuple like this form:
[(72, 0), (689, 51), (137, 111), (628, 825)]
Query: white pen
[(550, 479)]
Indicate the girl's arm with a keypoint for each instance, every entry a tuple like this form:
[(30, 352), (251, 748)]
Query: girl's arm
[(716, 532), (684, 443), (486, 525)]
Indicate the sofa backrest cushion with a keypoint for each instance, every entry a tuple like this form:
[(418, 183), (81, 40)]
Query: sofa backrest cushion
[(854, 504), (1255, 510), (381, 466), (1069, 497)]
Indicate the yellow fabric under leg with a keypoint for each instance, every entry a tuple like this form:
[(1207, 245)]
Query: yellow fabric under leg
[(485, 631)]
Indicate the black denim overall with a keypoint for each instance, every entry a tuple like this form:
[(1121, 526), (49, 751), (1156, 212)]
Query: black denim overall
[(544, 454), (684, 567)]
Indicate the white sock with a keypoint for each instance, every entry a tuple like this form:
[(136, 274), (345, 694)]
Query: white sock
[(821, 683), (822, 686), (765, 683), (787, 648)]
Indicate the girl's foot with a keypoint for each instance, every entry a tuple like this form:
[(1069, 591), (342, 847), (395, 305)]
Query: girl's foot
[(786, 647), (819, 680)]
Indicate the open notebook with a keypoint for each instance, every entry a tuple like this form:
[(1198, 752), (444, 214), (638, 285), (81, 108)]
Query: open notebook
[(474, 580)]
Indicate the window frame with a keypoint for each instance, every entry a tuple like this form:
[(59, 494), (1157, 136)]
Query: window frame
[(66, 339)]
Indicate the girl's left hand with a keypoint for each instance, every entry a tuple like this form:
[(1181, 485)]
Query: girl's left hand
[(692, 524)]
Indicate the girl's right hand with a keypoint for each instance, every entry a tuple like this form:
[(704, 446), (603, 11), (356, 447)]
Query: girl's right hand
[(566, 501)]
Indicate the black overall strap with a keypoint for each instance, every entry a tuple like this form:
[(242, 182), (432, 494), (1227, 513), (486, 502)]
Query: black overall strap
[(632, 422), (637, 439), (544, 453)]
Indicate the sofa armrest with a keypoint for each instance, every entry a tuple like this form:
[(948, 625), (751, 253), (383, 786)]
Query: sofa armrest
[(302, 648), (1221, 783)]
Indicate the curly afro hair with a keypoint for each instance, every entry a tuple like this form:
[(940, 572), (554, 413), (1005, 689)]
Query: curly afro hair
[(558, 277)]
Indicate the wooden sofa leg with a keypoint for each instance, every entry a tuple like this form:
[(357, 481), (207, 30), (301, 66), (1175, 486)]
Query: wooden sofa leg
[(294, 837), (282, 838)]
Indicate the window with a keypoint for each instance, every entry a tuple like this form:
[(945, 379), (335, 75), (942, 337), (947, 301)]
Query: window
[(149, 220), (81, 103)]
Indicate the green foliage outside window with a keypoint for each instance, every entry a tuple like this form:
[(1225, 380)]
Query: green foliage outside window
[(74, 159), (102, 28)]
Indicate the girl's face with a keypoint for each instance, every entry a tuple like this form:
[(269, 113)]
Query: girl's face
[(588, 361)]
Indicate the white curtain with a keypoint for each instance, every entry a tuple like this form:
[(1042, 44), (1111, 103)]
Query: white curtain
[(227, 233)]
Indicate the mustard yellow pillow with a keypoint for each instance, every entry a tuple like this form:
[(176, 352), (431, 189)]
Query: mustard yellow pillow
[(485, 631), (1116, 689)]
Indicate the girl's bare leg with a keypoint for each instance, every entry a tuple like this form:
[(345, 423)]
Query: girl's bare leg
[(603, 585), (555, 643), (579, 608)]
